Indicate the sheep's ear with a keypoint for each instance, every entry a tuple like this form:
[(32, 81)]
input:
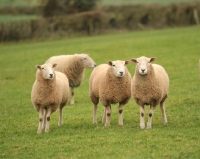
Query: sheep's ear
[(152, 59), (127, 62), (54, 65), (38, 67), (109, 63), (134, 60)]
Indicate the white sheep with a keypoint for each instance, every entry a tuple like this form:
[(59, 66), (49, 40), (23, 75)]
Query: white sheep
[(111, 83), (49, 91), (150, 85), (73, 67)]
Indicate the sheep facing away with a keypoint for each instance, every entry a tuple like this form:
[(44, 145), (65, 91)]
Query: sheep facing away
[(49, 91), (150, 85), (73, 67), (111, 83)]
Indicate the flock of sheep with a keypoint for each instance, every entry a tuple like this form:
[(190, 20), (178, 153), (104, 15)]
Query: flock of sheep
[(110, 83)]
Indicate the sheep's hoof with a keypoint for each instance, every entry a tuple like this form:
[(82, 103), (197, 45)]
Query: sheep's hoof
[(71, 102), (121, 124), (107, 125), (47, 130), (148, 126), (142, 126), (39, 131)]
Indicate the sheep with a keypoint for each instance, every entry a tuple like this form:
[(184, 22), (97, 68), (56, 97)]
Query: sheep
[(73, 67), (49, 91), (149, 86), (111, 83)]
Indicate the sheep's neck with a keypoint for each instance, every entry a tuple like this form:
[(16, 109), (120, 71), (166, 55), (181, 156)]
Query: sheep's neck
[(46, 83)]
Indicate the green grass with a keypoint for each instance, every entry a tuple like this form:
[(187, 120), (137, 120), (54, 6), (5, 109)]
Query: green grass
[(128, 2), (19, 2), (8, 18), (176, 49)]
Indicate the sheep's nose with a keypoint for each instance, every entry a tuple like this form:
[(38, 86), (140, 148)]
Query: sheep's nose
[(121, 72), (142, 70), (95, 65), (51, 75)]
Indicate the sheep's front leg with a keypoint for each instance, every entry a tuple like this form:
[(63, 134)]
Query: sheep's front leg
[(108, 115), (41, 120), (48, 119), (150, 116), (120, 118), (72, 96), (162, 108), (142, 124)]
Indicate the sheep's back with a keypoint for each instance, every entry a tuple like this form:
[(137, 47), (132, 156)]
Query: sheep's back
[(71, 66), (162, 77), (97, 75)]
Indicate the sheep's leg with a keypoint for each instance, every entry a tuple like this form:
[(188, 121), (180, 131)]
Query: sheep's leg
[(95, 113), (41, 120), (142, 124), (108, 115), (60, 117), (104, 116), (48, 119), (162, 108), (120, 118), (44, 117), (150, 116), (72, 96)]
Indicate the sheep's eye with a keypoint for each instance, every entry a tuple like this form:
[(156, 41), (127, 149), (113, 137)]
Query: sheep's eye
[(42, 68), (113, 65), (85, 58)]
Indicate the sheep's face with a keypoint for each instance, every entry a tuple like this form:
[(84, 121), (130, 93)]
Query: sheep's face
[(87, 61), (118, 67), (143, 64), (47, 70)]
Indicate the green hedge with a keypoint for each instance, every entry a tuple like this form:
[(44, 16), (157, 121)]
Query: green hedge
[(101, 21)]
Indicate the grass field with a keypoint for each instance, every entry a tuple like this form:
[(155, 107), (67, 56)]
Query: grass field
[(177, 49), (128, 2)]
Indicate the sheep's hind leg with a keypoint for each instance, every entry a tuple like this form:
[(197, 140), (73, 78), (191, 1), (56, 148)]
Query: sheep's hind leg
[(104, 116), (72, 96), (162, 108), (150, 117), (120, 117), (108, 115), (60, 117), (41, 120), (142, 124)]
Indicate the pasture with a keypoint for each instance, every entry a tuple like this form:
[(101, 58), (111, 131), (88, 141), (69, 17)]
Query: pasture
[(177, 49)]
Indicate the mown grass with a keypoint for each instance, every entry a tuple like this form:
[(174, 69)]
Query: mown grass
[(128, 2), (8, 18), (176, 49)]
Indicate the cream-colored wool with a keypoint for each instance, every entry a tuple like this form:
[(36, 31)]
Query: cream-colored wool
[(73, 67), (111, 83), (150, 85), (49, 92)]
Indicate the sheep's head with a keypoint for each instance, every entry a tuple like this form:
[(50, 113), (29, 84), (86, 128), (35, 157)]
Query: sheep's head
[(88, 62), (118, 67), (47, 70), (143, 64)]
